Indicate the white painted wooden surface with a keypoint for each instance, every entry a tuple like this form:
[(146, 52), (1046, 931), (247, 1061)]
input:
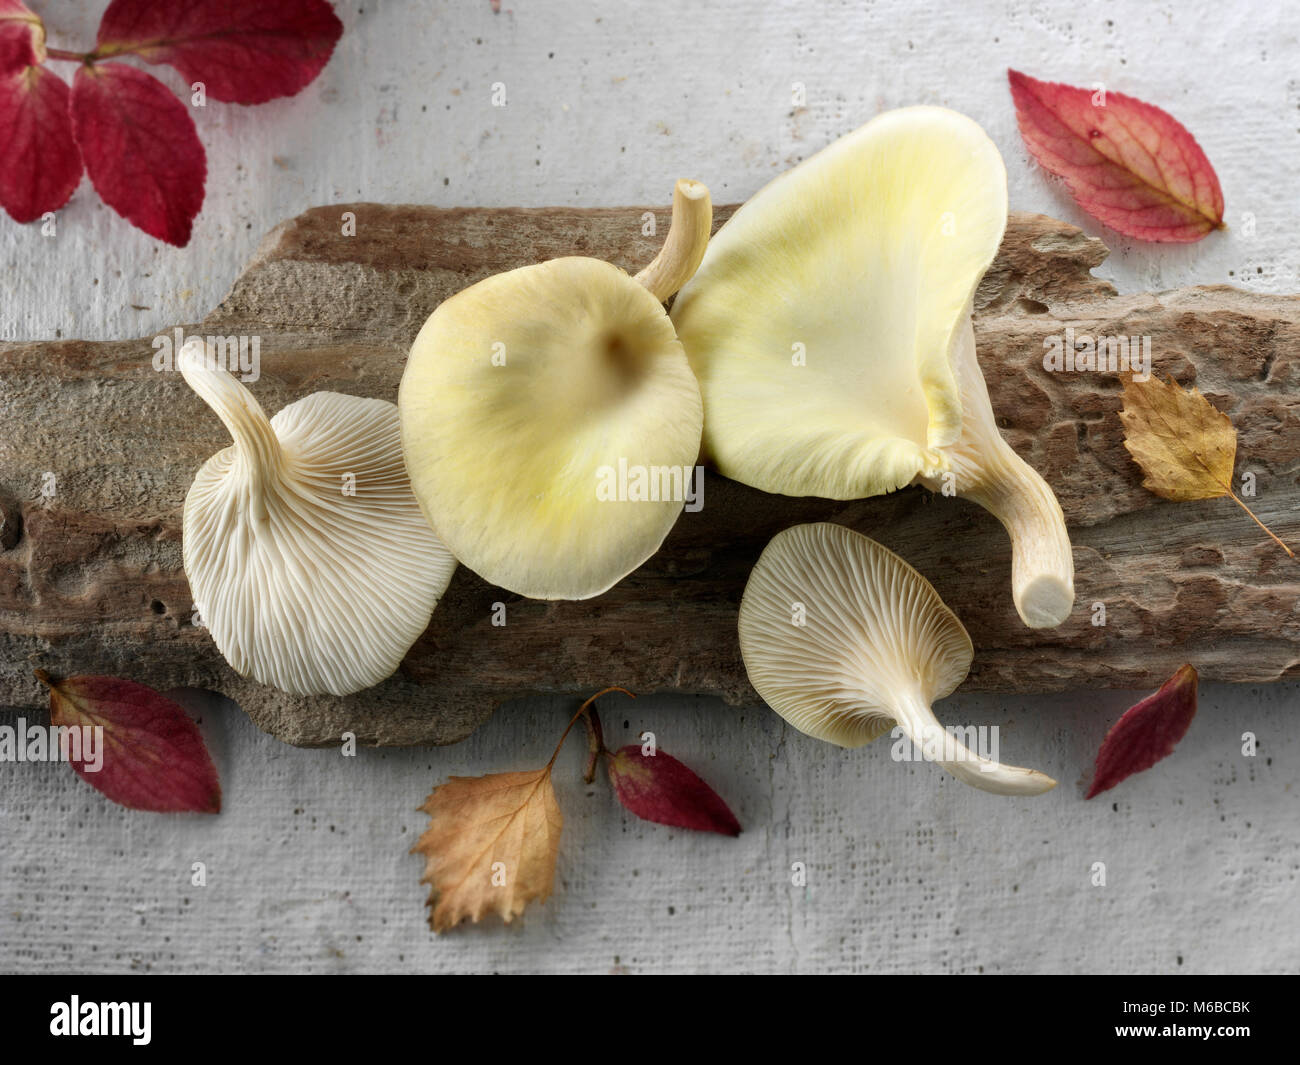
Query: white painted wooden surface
[(608, 104)]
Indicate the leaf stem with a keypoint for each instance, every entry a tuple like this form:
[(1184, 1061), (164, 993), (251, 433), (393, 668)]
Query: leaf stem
[(1270, 532), (71, 57), (595, 743), (574, 719)]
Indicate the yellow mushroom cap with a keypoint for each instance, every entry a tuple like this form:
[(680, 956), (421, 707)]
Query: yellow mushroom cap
[(830, 327), (821, 323), (537, 407)]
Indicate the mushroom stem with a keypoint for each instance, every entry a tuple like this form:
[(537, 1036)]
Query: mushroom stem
[(923, 729), (687, 239), (1042, 563), (256, 445), (990, 473)]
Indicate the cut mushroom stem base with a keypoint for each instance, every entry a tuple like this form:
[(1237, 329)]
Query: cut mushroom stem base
[(987, 471), (941, 745), (687, 240), (1042, 563)]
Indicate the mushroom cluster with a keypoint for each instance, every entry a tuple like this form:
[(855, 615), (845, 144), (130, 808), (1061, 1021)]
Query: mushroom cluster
[(309, 544), (822, 344)]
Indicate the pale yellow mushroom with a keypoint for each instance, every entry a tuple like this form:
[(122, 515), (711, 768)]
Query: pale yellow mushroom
[(526, 393), (830, 328)]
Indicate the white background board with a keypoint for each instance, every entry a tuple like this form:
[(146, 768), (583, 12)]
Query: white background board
[(608, 104)]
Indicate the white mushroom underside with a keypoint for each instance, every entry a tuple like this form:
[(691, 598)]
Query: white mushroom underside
[(844, 640), (326, 591), (873, 628)]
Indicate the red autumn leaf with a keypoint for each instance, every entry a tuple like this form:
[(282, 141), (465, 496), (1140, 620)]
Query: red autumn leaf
[(1127, 163), (141, 149), (22, 37), (153, 755), (1148, 732), (659, 788), (244, 51), (40, 167)]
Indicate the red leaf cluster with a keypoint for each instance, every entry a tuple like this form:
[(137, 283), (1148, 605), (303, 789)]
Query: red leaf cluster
[(135, 139)]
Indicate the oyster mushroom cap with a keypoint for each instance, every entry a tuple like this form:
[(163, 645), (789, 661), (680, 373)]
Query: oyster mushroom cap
[(306, 552), (827, 321), (844, 640), (540, 405)]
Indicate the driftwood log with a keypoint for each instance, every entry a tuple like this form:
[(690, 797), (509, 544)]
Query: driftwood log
[(90, 559)]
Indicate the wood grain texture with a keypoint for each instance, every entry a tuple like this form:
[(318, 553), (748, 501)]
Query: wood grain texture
[(91, 577)]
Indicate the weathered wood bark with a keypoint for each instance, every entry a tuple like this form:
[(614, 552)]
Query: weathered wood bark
[(91, 577)]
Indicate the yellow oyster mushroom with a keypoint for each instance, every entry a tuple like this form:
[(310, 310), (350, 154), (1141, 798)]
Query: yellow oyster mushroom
[(550, 418), (830, 328)]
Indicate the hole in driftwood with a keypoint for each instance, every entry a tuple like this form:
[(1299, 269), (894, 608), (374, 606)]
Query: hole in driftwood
[(1028, 306)]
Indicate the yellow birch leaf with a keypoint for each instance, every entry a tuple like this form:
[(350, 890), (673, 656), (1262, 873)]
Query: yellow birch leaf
[(490, 846), (1185, 447)]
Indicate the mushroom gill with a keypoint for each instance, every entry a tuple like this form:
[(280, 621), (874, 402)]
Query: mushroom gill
[(845, 640), (307, 555)]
